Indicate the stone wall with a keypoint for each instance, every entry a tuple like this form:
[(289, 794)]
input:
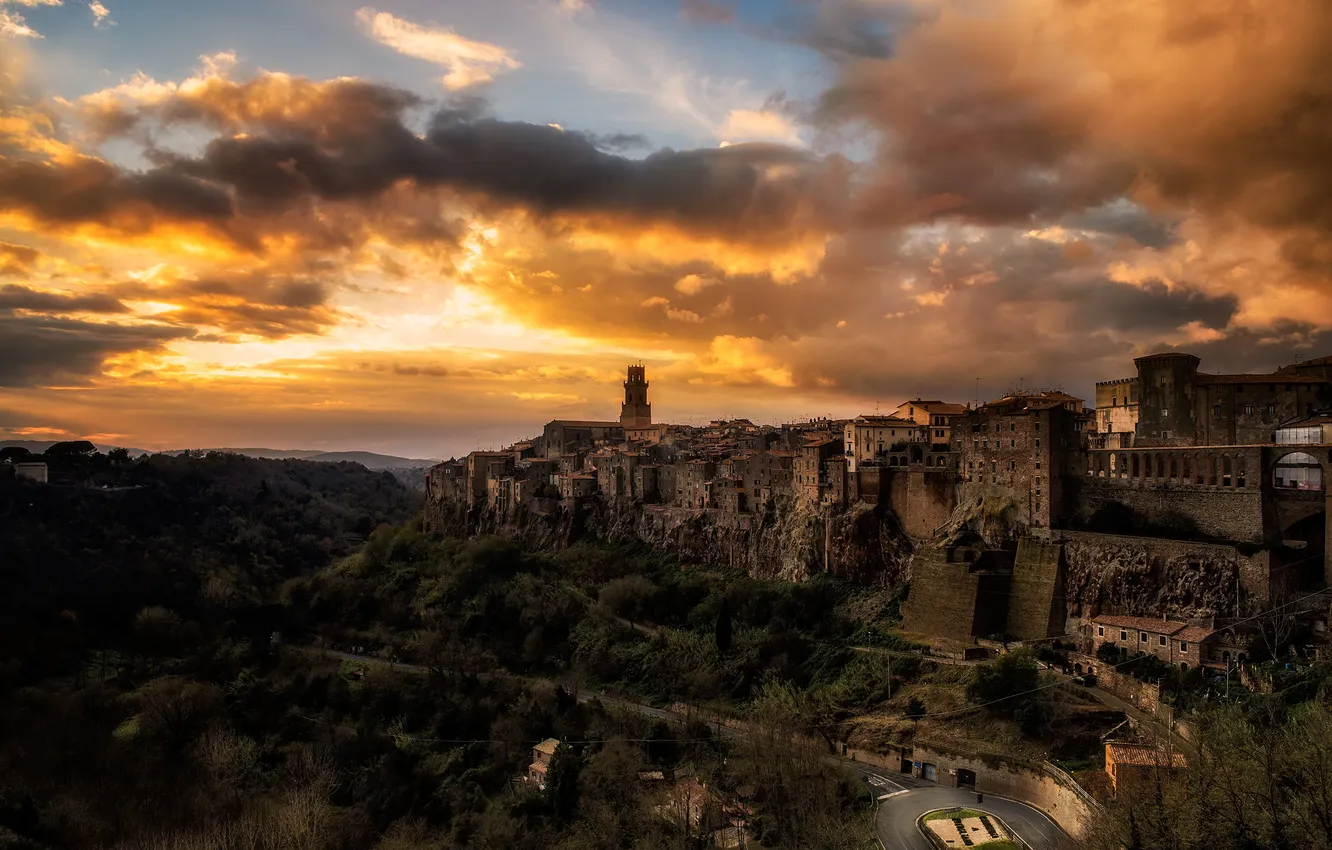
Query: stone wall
[(1042, 786), (1037, 605), (1151, 577), (943, 596), (923, 499), (1219, 513)]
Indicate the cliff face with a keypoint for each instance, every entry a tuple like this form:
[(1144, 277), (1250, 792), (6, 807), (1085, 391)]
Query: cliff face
[(1151, 577), (863, 543)]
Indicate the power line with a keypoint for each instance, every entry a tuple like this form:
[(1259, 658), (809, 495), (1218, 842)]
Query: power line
[(1265, 613)]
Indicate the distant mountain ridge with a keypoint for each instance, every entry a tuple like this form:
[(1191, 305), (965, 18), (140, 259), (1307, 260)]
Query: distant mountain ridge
[(370, 460)]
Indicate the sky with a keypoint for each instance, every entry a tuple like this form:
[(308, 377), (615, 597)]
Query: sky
[(422, 227)]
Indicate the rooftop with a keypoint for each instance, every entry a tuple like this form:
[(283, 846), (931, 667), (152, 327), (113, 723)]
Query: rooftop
[(547, 747), (1145, 755), (1140, 624)]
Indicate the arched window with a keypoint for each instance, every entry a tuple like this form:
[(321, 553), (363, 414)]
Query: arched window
[(1112, 464), (1298, 471)]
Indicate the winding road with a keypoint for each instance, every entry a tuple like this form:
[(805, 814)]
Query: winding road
[(902, 798)]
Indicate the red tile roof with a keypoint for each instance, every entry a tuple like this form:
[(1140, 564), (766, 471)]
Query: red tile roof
[(1140, 624)]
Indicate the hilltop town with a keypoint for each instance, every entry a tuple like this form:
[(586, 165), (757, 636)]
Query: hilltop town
[(1181, 495)]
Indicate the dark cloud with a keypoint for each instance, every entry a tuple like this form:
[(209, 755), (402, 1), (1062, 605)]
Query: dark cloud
[(846, 30), (31, 300), (286, 157), (1122, 217), (92, 190), (40, 351), (1151, 307), (429, 370), (617, 142), (706, 11), (271, 307), (17, 259)]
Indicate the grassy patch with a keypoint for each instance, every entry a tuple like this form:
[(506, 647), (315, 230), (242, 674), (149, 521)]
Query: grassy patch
[(949, 814)]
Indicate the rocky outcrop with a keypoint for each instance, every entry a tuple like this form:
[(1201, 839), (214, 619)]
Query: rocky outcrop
[(1151, 577), (788, 541)]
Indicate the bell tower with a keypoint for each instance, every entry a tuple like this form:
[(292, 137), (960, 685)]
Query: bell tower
[(636, 412)]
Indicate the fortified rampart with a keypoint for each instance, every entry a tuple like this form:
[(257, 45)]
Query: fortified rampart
[(1199, 492)]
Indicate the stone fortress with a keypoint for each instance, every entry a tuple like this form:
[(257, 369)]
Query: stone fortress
[(1181, 495)]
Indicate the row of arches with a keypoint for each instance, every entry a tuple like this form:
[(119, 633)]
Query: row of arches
[(1292, 471), (1200, 469)]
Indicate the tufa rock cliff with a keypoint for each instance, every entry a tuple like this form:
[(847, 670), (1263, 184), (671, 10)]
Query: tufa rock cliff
[(863, 543)]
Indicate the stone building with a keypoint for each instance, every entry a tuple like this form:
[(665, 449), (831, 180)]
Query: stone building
[(811, 468), (1131, 766), (1116, 413), (32, 471), (937, 417), (636, 412), (1024, 444), (1180, 406), (869, 439)]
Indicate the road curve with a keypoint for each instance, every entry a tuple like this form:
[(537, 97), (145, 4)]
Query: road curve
[(907, 797), (898, 813)]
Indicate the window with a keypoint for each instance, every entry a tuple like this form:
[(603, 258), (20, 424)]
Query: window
[(1100, 631), (1142, 637), (994, 467), (1038, 464), (1012, 466), (1163, 640), (1012, 426), (1271, 410), (1123, 635), (1038, 427), (1216, 410), (1183, 648), (1038, 442), (1165, 414), (975, 444), (1114, 400), (1248, 410), (1012, 444)]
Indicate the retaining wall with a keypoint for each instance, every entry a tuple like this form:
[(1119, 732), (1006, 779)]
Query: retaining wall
[(1044, 786)]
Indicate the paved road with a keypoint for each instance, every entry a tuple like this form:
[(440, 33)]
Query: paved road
[(898, 813), (903, 798)]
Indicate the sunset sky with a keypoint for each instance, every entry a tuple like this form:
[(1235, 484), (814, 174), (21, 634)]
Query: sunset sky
[(426, 227)]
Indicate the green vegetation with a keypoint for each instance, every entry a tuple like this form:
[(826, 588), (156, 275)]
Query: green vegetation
[(1261, 781), (949, 814), (154, 692)]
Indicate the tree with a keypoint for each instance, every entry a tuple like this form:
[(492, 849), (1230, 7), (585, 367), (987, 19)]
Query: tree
[(723, 630), (998, 682), (71, 449), (118, 456), (562, 782), (14, 454), (915, 709), (626, 597)]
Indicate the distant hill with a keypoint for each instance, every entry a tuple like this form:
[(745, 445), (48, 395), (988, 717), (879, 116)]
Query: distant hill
[(39, 446), (370, 460)]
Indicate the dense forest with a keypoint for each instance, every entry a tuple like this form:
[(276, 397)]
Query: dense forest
[(163, 683)]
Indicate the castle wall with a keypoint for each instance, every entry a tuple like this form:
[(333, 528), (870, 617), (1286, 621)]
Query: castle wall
[(943, 596), (1201, 493), (922, 498), (1037, 604)]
